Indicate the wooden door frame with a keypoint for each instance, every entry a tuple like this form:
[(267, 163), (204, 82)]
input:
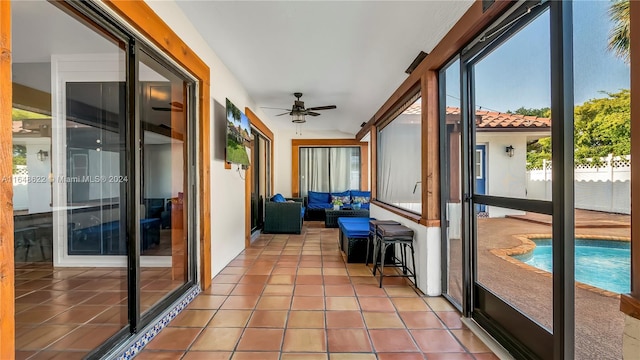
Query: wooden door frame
[(7, 287), (255, 122)]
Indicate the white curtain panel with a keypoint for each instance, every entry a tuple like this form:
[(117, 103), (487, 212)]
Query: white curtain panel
[(399, 163), (341, 159), (334, 169), (314, 170)]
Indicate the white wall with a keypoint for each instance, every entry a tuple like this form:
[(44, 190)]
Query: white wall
[(33, 192), (161, 181), (227, 186), (506, 176), (427, 251)]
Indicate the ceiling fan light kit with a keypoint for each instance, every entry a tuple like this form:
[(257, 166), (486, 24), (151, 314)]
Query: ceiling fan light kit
[(298, 118), (298, 112)]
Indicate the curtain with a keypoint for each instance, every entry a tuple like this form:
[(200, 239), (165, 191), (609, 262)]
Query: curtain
[(329, 169), (399, 161)]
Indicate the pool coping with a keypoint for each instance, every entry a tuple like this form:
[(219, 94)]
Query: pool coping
[(527, 245)]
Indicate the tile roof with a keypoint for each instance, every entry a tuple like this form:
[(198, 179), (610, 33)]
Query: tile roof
[(488, 120)]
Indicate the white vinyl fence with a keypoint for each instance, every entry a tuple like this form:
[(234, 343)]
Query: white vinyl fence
[(602, 187)]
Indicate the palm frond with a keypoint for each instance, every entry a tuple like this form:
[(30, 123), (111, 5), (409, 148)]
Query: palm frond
[(619, 39)]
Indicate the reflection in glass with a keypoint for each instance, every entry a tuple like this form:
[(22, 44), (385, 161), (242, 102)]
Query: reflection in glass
[(602, 181), (504, 245), (163, 239), (453, 196), (512, 117), (69, 196), (259, 178)]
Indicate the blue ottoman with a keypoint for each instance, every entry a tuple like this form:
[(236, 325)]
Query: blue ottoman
[(354, 235)]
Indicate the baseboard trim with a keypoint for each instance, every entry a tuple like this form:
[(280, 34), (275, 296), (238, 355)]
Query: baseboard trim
[(134, 346)]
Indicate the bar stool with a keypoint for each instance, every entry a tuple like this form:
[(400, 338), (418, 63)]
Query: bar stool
[(391, 235), (373, 227)]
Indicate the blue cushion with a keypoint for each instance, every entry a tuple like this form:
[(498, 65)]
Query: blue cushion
[(319, 205), (278, 198), (344, 193), (318, 197), (360, 193), (354, 227), (364, 206), (302, 211)]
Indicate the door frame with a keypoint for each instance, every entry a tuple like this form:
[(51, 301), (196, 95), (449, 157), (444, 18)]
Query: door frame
[(513, 329)]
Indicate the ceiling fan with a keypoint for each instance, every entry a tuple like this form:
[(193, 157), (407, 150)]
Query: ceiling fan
[(298, 111)]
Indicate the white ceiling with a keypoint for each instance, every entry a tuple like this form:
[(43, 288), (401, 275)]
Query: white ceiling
[(349, 53)]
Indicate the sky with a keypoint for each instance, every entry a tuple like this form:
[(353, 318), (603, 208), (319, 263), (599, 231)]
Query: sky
[(517, 73)]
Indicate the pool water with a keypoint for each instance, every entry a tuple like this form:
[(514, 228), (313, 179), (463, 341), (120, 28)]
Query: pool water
[(600, 263)]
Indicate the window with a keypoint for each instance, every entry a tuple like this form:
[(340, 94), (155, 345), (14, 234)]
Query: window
[(400, 159), (329, 169)]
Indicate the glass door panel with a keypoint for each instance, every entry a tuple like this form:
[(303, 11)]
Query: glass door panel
[(511, 199), (69, 184), (602, 165), (164, 171), (452, 180), (514, 261)]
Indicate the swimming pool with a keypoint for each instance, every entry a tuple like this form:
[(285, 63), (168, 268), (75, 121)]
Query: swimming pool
[(601, 263)]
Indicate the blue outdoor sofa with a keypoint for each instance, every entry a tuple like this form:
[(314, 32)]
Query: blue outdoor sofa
[(316, 202)]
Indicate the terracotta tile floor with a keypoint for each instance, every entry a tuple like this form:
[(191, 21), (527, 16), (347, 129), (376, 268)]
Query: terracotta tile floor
[(292, 297), (64, 313)]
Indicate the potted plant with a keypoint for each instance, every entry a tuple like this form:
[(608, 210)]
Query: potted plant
[(337, 203)]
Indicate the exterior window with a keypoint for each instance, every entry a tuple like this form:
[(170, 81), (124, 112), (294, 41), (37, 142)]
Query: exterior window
[(329, 169), (400, 159)]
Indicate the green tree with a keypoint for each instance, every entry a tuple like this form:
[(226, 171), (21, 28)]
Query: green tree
[(603, 126), (234, 112), (543, 112), (619, 41), (19, 156)]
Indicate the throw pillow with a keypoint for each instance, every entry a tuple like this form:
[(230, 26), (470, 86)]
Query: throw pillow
[(361, 199), (345, 199), (278, 198)]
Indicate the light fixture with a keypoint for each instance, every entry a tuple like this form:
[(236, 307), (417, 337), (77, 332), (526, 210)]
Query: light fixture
[(42, 155), (509, 150), (298, 118), (416, 62)]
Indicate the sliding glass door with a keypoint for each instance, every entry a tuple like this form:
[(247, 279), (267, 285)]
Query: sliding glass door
[(102, 165), (260, 178), (535, 128)]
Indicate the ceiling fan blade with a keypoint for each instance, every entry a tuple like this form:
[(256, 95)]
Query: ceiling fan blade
[(273, 108), (328, 107), (286, 113), (175, 106), (312, 113)]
